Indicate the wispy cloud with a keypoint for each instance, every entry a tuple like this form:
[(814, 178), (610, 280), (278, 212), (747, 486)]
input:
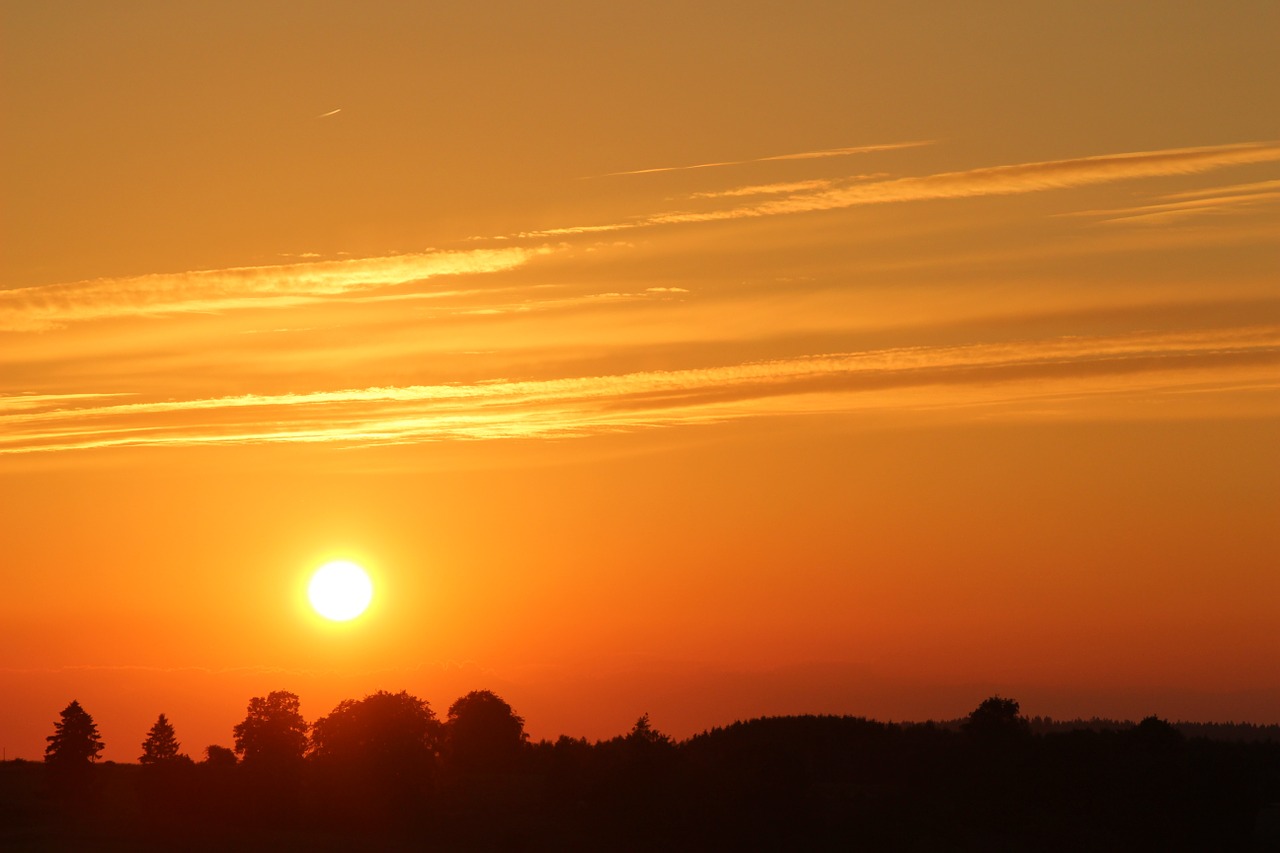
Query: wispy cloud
[(988, 181), (166, 670), (22, 402), (1192, 203), (1158, 214), (48, 306), (804, 155), (1253, 187), (767, 189), (528, 306), (589, 405)]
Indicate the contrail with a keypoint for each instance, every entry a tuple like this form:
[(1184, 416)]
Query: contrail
[(330, 113)]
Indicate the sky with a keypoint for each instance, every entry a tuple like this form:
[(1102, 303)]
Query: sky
[(703, 360)]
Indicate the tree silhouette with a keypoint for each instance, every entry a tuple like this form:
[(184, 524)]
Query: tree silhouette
[(1157, 732), (812, 783), (996, 718), (219, 756), (273, 733), (375, 756), (161, 746), (165, 785), (380, 726), (74, 743), (271, 738), (70, 753), (643, 732), (483, 733)]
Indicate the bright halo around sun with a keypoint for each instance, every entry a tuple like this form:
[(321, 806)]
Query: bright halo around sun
[(340, 590)]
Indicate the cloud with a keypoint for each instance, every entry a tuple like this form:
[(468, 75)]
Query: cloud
[(527, 306), (988, 181), (1006, 180), (1199, 202), (164, 670), (20, 402), (767, 189), (1254, 187), (280, 285), (1158, 214), (954, 376), (804, 155)]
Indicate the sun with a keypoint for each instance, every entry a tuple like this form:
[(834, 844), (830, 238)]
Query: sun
[(340, 590)]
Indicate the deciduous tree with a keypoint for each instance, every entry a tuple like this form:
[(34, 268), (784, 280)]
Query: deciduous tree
[(375, 757), (483, 733), (380, 726), (219, 756), (996, 718), (273, 733)]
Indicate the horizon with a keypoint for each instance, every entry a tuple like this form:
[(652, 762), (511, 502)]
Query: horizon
[(708, 362)]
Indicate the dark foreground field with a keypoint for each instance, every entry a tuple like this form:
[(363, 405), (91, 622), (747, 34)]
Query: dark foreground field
[(795, 783)]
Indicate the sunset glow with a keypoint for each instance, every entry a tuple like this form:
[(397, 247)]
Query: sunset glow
[(703, 360)]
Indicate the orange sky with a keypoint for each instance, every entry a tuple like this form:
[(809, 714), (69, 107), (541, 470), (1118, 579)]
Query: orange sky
[(709, 360)]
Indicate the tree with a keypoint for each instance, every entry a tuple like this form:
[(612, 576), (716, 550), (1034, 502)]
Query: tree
[(75, 743), (375, 756), (219, 756), (379, 727), (483, 733), (161, 746), (644, 733), (165, 786), (273, 734), (996, 718), (1155, 733), (272, 739)]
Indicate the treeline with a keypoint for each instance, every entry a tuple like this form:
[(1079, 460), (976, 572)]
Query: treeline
[(383, 772), (1237, 732)]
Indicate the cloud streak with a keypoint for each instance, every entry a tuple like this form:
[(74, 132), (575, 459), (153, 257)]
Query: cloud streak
[(1015, 179), (581, 406), (1184, 205), (1254, 187), (804, 155), (280, 285), (308, 281), (767, 189)]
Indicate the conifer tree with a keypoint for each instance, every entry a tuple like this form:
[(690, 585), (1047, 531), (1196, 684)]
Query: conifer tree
[(161, 745), (75, 742)]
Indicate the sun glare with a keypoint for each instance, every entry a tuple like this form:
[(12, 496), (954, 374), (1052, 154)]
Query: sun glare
[(340, 590)]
